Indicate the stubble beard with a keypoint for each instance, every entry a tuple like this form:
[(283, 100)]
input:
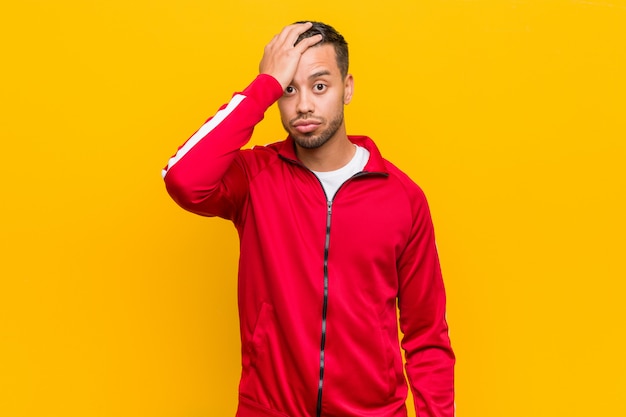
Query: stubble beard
[(314, 141)]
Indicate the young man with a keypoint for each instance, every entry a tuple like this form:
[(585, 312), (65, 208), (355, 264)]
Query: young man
[(334, 241)]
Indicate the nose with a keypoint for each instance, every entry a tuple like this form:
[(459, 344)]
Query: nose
[(305, 103)]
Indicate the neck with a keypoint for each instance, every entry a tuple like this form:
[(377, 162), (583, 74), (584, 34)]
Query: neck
[(332, 155)]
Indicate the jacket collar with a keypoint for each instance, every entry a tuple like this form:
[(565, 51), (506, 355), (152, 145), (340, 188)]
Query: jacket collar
[(375, 164)]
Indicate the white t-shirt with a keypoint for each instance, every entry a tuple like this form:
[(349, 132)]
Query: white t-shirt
[(332, 180)]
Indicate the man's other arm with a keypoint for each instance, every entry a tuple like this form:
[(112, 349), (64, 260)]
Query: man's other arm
[(422, 304)]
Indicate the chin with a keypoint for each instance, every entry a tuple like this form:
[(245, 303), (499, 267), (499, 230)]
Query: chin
[(309, 142)]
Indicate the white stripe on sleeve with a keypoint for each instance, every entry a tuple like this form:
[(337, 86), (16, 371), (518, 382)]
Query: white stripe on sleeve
[(204, 130)]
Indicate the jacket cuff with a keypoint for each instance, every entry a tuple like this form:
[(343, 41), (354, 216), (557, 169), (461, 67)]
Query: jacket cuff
[(264, 90)]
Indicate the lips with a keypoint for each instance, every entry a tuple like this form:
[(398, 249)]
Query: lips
[(306, 125)]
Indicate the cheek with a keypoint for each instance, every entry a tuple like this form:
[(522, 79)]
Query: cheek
[(282, 109), (334, 105)]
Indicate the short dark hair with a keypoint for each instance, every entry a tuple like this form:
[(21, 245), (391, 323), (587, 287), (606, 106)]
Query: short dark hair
[(330, 36)]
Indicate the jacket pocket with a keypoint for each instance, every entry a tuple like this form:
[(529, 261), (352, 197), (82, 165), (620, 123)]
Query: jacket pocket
[(257, 344), (392, 359), (258, 383), (249, 408)]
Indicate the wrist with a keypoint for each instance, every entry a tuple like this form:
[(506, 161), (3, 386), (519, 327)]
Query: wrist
[(265, 89)]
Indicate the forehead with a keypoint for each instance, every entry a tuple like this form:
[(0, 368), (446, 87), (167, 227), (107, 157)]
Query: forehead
[(317, 58)]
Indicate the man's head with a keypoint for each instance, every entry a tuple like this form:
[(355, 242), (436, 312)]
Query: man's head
[(332, 37), (311, 108)]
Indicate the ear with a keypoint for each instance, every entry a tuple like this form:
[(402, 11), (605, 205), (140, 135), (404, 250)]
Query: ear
[(348, 89)]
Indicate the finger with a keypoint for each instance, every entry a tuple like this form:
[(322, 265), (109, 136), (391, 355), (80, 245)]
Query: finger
[(306, 43), (272, 42), (289, 35)]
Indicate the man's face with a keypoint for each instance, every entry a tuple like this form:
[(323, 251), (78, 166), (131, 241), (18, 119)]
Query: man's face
[(311, 108)]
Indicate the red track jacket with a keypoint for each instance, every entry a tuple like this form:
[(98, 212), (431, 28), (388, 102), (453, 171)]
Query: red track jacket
[(320, 283)]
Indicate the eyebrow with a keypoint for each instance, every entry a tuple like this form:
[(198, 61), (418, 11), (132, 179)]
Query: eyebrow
[(319, 74)]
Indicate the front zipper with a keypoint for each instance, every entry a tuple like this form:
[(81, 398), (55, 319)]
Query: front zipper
[(329, 213), (320, 385)]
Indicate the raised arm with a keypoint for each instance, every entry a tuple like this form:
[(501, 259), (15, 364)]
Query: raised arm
[(201, 176)]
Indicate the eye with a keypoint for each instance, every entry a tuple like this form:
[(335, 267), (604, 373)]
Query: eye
[(319, 87), (289, 90)]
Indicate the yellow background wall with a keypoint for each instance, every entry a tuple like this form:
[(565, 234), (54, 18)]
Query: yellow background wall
[(509, 113)]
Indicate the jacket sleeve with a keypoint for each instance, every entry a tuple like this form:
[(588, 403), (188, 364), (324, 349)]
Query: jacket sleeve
[(204, 176), (422, 304)]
